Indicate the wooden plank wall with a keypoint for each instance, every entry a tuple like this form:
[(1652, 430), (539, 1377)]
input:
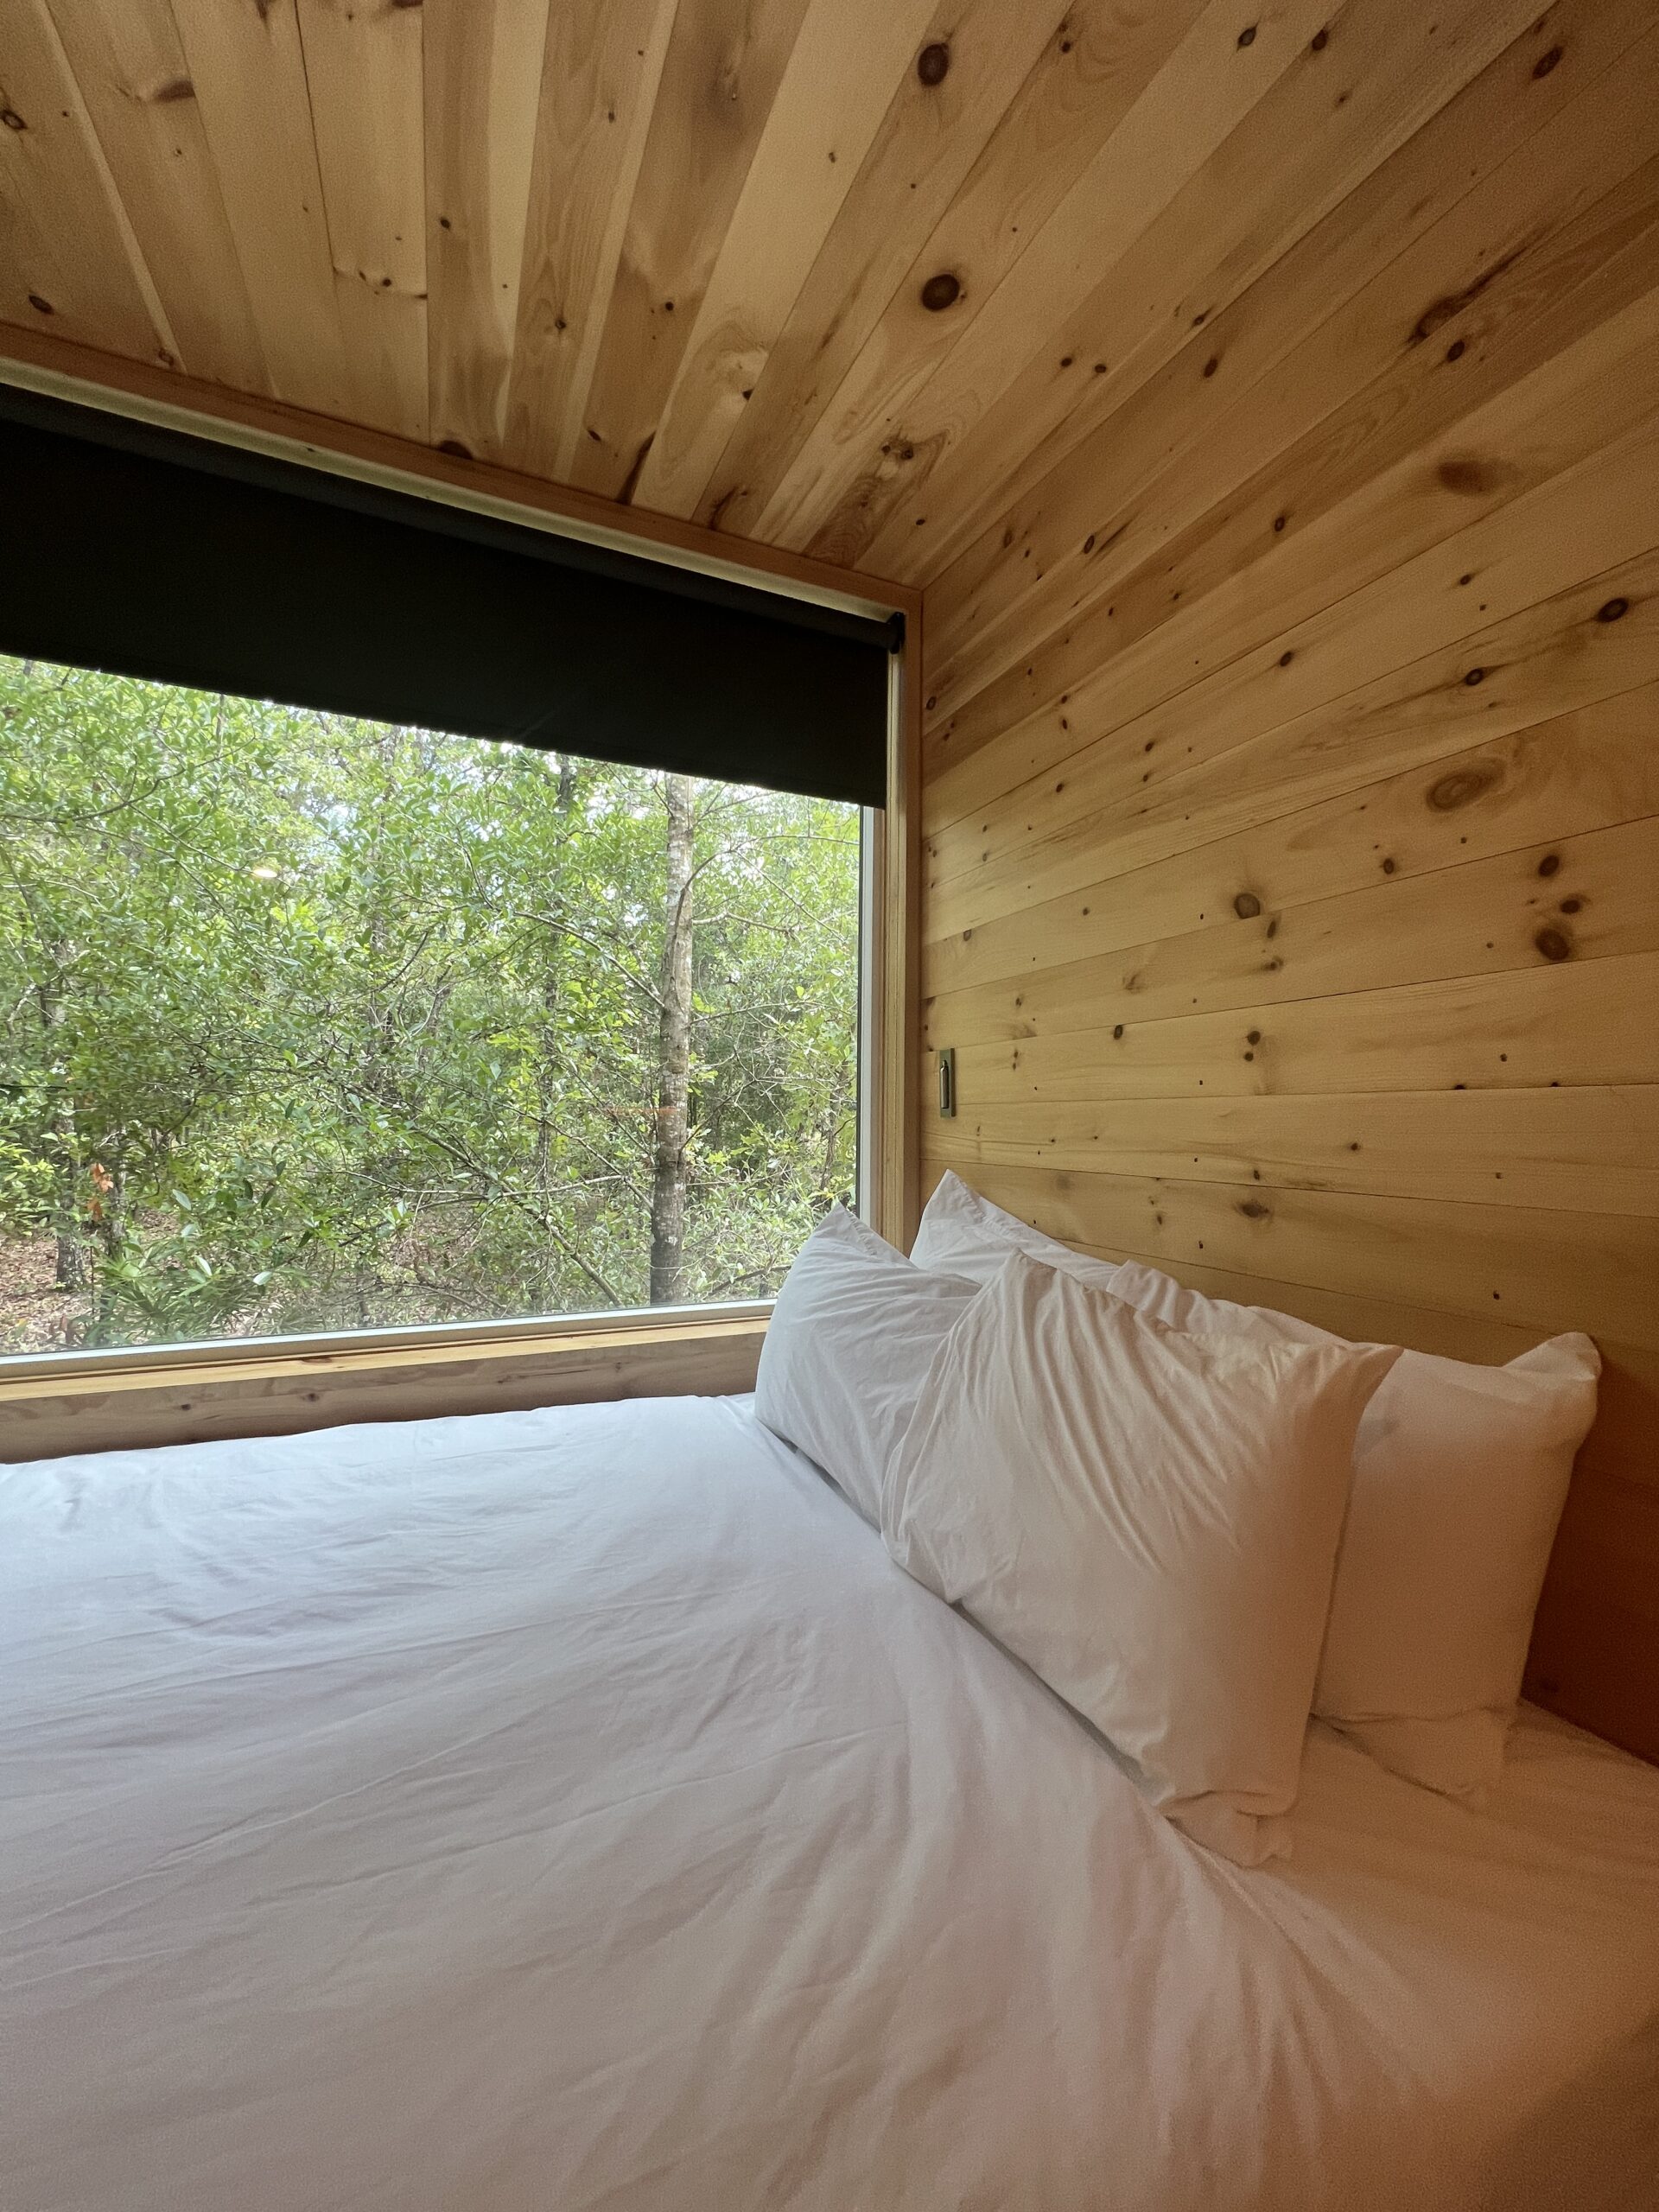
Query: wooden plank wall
[(1291, 792)]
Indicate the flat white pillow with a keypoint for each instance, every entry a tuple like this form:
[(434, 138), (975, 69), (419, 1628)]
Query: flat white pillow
[(1149, 1520), (1461, 1472), (847, 1350), (963, 1234)]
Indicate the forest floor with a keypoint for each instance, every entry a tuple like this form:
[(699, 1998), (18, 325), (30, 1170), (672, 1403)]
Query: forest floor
[(35, 1314)]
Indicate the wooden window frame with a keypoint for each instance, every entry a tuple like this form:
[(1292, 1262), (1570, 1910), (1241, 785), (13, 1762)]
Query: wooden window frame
[(76, 1401)]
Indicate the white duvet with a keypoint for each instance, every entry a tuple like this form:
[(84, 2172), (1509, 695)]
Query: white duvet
[(578, 1810)]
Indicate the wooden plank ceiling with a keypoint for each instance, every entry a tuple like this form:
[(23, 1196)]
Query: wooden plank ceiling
[(838, 276)]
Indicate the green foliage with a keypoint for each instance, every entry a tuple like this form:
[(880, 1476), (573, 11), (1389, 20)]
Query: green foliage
[(310, 1023)]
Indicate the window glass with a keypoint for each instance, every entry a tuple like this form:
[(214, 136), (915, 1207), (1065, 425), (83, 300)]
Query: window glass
[(309, 1023)]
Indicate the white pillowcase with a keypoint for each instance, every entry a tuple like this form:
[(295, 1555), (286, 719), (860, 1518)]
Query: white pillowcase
[(1149, 1520), (963, 1234), (1461, 1472), (849, 1343)]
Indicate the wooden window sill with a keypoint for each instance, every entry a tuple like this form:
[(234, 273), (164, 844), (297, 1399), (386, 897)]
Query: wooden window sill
[(234, 1391)]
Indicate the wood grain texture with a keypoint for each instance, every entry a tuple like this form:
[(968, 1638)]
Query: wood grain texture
[(725, 62), (482, 65), (836, 276), (835, 94), (131, 67), (1173, 300), (941, 118), (363, 73), (1103, 71), (247, 68), (1291, 824), (284, 1396), (68, 259), (603, 62), (1184, 208)]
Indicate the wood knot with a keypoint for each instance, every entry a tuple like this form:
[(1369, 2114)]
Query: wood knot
[(12, 120), (40, 305), (1471, 478), (1475, 676), (1613, 610), (1554, 943), (1546, 62), (1247, 906), (1463, 786), (1247, 36), (177, 88), (940, 292), (1253, 1037), (933, 62), (453, 446), (1213, 365), (1118, 1029), (1549, 863), (1572, 906), (1253, 1210)]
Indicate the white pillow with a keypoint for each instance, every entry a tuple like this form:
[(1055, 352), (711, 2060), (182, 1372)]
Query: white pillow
[(1149, 1520), (1461, 1472), (963, 1234), (849, 1343)]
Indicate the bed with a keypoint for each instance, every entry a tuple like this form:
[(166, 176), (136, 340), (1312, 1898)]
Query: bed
[(578, 1808)]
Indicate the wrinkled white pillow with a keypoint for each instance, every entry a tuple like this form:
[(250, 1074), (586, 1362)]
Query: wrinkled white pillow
[(963, 1234), (1149, 1520), (849, 1343), (1461, 1472)]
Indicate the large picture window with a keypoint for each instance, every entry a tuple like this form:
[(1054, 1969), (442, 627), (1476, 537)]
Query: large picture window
[(309, 1022)]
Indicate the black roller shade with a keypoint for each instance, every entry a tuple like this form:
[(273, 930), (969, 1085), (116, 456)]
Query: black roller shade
[(151, 553)]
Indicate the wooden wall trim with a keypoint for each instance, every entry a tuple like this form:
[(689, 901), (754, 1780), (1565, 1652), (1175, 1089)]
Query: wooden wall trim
[(285, 1393), (45, 363)]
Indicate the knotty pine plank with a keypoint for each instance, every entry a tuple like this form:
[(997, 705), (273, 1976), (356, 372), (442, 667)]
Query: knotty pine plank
[(131, 72), (248, 70), (1583, 1148), (602, 69), (1334, 116), (836, 92), (1586, 897), (363, 73), (1556, 419), (929, 141), (1219, 212), (1117, 113), (68, 261), (1553, 1024), (721, 75), (1579, 772), (1594, 641), (482, 63), (1470, 1257), (1251, 478)]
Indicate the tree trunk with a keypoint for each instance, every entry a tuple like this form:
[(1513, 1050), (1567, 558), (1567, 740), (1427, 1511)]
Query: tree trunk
[(73, 1269), (673, 1055)]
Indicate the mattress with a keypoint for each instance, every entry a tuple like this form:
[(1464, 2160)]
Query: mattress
[(577, 1809)]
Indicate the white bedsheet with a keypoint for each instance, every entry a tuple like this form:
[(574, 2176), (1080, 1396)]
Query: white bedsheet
[(577, 1809)]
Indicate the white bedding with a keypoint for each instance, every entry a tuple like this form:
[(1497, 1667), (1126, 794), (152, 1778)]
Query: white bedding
[(578, 1810)]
